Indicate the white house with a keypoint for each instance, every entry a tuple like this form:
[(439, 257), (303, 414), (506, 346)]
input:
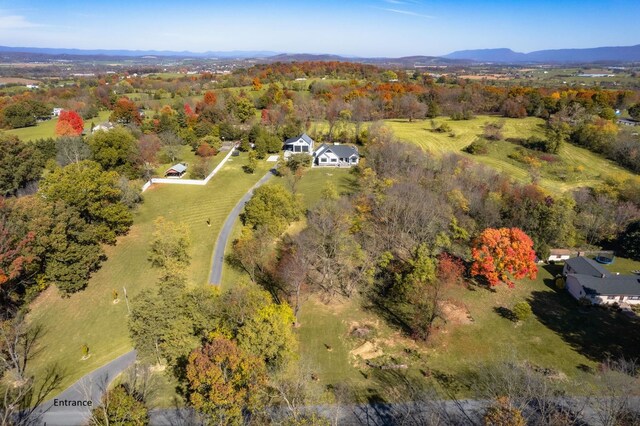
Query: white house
[(586, 279), (299, 144), (336, 155), (103, 127), (56, 112)]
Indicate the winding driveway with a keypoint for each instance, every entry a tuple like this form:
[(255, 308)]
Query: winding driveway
[(221, 243), (60, 410), (64, 410)]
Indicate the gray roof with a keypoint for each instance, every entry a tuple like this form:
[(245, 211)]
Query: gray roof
[(178, 168), (615, 285), (304, 137), (585, 266), (342, 151)]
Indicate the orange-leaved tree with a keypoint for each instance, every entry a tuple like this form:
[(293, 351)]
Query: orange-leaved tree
[(69, 124), (502, 254)]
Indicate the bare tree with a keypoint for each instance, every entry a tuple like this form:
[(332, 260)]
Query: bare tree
[(20, 402), (335, 256), (17, 345), (292, 270), (296, 393), (615, 401), (71, 150)]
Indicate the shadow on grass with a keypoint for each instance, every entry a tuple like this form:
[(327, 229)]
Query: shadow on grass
[(505, 313), (596, 332)]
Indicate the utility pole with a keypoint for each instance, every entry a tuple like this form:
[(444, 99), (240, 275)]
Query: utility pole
[(126, 299)]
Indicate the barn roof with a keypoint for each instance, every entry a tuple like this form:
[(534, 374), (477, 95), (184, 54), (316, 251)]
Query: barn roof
[(178, 168)]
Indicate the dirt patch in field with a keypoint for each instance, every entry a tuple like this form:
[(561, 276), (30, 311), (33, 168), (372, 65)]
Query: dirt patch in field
[(367, 351), (455, 314), (485, 77), (336, 305), (17, 80)]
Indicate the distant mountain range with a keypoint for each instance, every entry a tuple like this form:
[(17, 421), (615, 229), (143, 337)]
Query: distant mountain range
[(139, 53), (596, 54), (504, 55)]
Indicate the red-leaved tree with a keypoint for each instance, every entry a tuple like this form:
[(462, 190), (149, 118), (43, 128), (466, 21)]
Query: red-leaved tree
[(69, 124), (502, 254), (450, 269)]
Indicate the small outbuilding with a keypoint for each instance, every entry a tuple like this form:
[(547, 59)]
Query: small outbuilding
[(559, 255), (176, 171)]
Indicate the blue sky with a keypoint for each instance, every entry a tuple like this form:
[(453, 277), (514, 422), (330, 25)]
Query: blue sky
[(346, 27)]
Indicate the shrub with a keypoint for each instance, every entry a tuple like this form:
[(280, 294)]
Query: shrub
[(502, 413), (200, 169), (205, 150), (479, 146), (443, 128), (493, 131), (522, 311)]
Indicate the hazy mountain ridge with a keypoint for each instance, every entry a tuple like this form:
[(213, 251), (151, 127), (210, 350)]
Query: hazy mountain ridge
[(501, 55), (595, 54), (139, 53)]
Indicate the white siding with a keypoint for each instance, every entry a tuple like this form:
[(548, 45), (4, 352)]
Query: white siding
[(574, 288)]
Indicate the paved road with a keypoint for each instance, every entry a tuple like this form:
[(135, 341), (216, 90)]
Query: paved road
[(88, 388), (221, 243)]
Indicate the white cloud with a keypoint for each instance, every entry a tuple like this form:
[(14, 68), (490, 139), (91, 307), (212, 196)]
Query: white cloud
[(15, 22), (405, 12), (402, 1)]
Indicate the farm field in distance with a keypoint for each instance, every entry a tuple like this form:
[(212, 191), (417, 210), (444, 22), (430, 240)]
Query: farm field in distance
[(46, 129)]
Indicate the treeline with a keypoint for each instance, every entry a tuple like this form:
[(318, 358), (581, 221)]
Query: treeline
[(73, 198), (279, 71)]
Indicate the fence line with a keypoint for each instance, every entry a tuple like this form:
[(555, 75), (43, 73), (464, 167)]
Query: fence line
[(200, 182)]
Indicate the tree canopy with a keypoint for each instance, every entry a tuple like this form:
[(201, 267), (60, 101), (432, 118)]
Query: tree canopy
[(499, 254), (94, 193)]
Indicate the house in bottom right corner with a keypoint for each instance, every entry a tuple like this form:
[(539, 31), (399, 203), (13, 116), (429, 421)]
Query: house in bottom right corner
[(586, 279)]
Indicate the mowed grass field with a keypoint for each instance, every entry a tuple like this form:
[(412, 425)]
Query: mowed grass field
[(89, 317), (47, 129), (584, 168)]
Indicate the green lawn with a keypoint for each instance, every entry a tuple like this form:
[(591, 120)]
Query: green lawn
[(46, 129), (560, 336), (581, 167), (90, 316)]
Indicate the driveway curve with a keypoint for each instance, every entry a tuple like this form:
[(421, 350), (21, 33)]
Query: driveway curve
[(221, 243), (61, 410)]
